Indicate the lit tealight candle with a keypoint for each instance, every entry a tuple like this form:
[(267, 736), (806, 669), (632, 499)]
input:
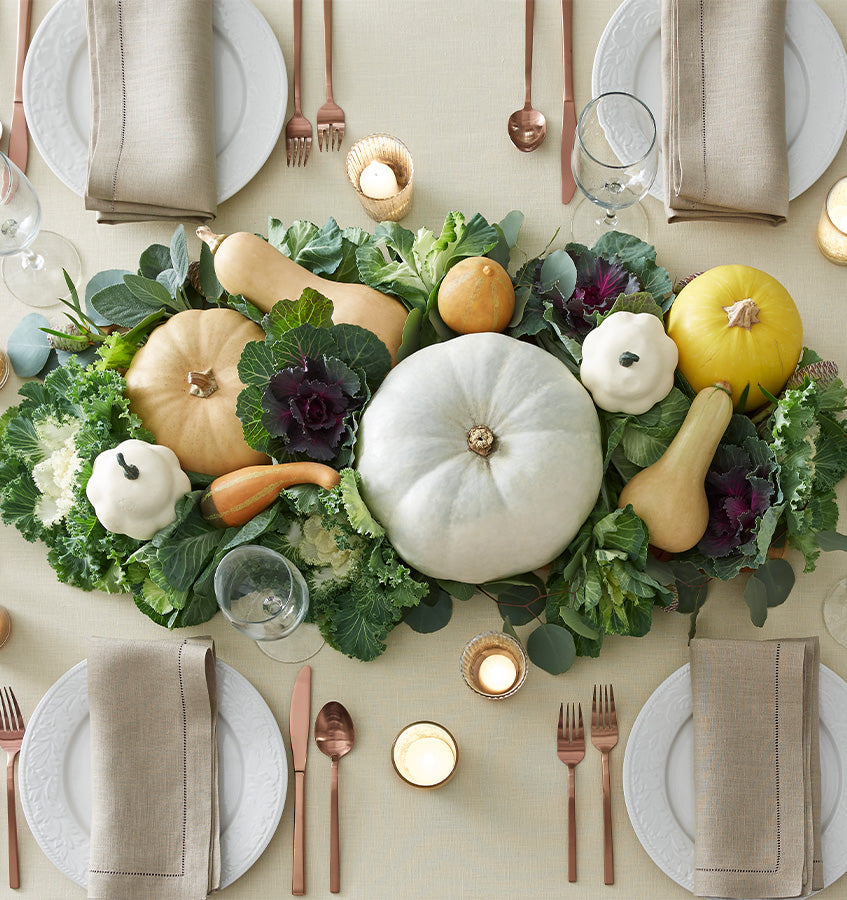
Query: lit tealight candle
[(424, 754), (378, 181), (832, 225), (497, 673)]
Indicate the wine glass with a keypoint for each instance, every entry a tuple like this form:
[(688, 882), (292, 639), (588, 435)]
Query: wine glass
[(835, 612), (614, 161), (33, 260), (265, 596)]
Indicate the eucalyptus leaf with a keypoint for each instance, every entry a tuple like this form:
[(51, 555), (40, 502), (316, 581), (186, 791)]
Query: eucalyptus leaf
[(458, 589), (209, 283), (832, 540), (28, 347), (156, 258), (432, 613), (509, 629), (510, 226), (777, 576), (552, 648), (521, 603), (756, 598), (559, 270)]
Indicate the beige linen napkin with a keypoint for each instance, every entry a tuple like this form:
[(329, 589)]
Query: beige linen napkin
[(756, 767), (152, 145), (154, 777), (723, 95)]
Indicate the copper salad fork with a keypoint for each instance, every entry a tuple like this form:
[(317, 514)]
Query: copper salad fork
[(11, 737), (298, 129), (330, 115), (604, 736), (570, 745)]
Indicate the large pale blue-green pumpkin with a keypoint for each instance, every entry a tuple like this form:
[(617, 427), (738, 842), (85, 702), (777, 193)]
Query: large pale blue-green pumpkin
[(481, 457)]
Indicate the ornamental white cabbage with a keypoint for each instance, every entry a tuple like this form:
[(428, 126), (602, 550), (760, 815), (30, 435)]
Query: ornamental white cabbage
[(55, 475)]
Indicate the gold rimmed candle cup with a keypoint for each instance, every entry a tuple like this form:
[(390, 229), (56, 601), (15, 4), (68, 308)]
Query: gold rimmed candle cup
[(832, 225), (493, 664), (425, 755), (388, 158), (5, 625)]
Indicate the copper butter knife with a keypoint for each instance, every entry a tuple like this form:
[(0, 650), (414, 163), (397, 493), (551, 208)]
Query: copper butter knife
[(298, 723), (18, 140), (568, 112)]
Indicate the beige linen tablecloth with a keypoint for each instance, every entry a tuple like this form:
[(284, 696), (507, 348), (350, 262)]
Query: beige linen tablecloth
[(443, 77)]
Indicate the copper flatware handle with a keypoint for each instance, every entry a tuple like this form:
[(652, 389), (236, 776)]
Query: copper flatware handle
[(18, 139), (298, 876), (527, 66), (14, 876), (608, 854), (334, 853), (568, 112), (571, 823), (298, 28)]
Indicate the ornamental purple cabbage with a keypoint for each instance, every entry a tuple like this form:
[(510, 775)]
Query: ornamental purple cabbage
[(739, 493), (307, 406)]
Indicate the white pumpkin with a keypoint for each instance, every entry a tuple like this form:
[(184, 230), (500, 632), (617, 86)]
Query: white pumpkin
[(481, 457)]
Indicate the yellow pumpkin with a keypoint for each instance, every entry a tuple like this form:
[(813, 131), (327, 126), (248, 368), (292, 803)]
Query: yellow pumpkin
[(183, 384), (737, 324), (476, 295)]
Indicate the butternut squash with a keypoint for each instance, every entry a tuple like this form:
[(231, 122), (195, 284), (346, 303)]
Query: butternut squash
[(235, 498), (248, 265), (670, 495)]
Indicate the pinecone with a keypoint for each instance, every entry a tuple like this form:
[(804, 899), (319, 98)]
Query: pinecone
[(194, 277), (823, 372), (59, 343)]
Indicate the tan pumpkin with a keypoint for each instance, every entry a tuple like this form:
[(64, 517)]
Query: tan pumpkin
[(476, 295), (183, 384)]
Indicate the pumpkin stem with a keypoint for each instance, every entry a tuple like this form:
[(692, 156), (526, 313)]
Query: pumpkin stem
[(481, 440), (202, 384), (742, 314), (209, 237), (627, 358), (130, 471)]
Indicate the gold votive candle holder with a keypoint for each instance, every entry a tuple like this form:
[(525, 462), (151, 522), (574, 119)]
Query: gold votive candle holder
[(392, 152), (425, 755), (487, 661), (5, 625), (832, 226), (4, 368)]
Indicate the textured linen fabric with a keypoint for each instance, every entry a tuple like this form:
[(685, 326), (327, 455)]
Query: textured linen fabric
[(154, 777), (756, 767), (152, 144), (723, 95)]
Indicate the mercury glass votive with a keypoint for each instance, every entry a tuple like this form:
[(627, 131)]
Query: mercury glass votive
[(390, 152), (832, 226), (494, 665), (425, 755)]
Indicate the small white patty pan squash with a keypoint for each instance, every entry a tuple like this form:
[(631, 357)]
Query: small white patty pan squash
[(134, 487), (628, 362), (481, 457)]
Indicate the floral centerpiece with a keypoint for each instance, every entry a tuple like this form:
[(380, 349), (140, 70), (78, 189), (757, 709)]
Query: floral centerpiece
[(305, 386)]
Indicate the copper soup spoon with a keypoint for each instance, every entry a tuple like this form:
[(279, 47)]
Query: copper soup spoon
[(334, 735), (527, 126)]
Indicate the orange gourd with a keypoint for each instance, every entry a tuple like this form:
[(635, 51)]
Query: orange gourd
[(476, 295)]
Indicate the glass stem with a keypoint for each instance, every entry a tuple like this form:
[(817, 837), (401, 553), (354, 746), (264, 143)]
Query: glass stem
[(611, 219), (31, 260)]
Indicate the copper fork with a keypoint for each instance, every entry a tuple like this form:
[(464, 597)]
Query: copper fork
[(604, 736), (298, 130), (570, 745), (11, 737), (330, 115)]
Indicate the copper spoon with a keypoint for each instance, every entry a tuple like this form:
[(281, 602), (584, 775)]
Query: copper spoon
[(527, 126), (334, 735)]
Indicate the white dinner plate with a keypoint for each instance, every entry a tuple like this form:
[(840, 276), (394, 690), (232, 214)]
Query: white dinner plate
[(659, 786), (251, 91), (55, 778), (628, 58)]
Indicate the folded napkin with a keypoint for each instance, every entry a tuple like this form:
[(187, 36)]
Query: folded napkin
[(723, 96), (152, 145), (756, 768), (154, 776)]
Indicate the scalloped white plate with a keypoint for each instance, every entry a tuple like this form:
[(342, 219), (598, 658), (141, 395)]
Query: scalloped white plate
[(251, 91), (659, 787), (55, 778), (628, 58)]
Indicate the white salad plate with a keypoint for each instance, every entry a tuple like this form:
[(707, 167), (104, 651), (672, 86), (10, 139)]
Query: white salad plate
[(658, 780), (55, 778), (251, 91), (628, 58)]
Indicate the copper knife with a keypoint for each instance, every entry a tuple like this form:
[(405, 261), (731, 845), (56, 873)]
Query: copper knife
[(568, 112), (298, 723), (18, 138)]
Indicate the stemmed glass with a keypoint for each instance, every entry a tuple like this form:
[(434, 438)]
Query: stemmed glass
[(33, 260), (835, 612), (265, 596), (614, 162)]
